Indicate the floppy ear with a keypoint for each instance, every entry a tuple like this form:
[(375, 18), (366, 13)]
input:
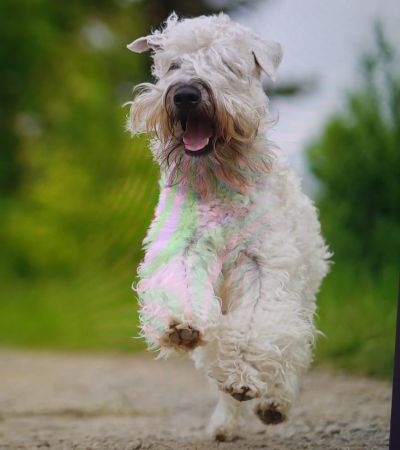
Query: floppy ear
[(268, 56), (145, 43), (154, 41), (139, 45)]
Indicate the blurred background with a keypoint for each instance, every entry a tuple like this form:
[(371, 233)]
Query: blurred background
[(77, 193)]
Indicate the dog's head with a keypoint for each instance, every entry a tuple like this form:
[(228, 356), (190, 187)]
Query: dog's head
[(207, 105)]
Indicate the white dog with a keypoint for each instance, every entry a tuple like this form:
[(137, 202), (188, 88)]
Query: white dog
[(234, 256)]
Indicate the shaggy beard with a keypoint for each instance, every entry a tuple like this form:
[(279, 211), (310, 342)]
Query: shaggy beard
[(236, 165), (237, 157)]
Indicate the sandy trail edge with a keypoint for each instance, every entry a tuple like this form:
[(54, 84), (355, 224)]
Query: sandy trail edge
[(88, 402)]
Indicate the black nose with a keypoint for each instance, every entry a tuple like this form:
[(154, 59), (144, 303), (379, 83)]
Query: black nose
[(187, 97)]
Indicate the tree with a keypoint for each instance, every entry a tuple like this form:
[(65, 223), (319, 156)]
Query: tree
[(64, 74), (357, 162)]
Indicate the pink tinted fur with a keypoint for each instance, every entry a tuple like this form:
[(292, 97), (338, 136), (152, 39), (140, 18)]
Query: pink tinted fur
[(169, 227)]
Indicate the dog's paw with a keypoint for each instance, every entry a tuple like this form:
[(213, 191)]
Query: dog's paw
[(242, 393), (224, 432), (182, 337), (271, 413), (223, 435)]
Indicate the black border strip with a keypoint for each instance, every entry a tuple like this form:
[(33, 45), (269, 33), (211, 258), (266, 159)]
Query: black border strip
[(395, 419)]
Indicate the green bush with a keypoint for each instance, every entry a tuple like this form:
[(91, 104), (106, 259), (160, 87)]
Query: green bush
[(357, 164)]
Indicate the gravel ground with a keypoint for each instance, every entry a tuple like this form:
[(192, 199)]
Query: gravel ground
[(120, 402)]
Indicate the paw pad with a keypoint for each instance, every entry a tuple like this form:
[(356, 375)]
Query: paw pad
[(270, 415), (183, 336), (241, 394)]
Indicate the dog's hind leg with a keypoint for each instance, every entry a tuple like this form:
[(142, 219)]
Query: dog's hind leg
[(226, 420), (264, 341)]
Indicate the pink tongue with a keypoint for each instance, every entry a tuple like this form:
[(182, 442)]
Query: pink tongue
[(197, 134)]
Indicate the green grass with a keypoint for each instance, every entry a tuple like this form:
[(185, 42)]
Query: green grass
[(357, 314), (98, 311), (66, 271)]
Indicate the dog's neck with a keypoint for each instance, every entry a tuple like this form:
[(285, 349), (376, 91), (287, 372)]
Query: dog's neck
[(231, 171)]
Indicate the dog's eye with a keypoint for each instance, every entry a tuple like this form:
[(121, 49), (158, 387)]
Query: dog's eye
[(174, 66)]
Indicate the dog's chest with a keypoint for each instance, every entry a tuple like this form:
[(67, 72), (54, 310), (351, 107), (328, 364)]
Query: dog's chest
[(183, 220), (225, 223), (222, 213)]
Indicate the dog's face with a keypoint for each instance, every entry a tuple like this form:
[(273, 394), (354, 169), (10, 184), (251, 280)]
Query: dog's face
[(207, 103)]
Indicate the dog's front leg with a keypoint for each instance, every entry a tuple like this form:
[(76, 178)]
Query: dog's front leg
[(178, 307)]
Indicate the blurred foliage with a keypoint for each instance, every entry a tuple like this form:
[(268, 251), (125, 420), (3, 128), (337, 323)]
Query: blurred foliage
[(290, 88), (357, 162), (64, 157), (357, 315), (76, 192), (158, 10)]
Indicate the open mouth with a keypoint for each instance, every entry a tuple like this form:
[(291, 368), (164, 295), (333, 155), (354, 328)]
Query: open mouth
[(197, 134)]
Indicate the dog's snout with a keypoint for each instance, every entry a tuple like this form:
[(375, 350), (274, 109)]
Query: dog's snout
[(187, 96)]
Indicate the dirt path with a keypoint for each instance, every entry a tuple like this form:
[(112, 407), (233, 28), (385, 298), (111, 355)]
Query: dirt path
[(88, 402)]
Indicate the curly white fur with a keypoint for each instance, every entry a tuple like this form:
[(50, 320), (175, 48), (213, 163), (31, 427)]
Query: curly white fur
[(234, 251)]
